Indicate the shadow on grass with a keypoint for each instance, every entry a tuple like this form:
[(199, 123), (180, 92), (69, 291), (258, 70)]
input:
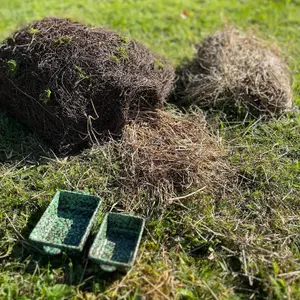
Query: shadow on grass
[(18, 145)]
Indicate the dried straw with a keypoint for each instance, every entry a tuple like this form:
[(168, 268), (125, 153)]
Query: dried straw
[(166, 155), (232, 68)]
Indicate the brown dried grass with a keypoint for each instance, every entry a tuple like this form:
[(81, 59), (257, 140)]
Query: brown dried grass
[(166, 155), (233, 68)]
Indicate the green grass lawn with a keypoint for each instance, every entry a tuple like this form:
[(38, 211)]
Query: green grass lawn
[(240, 247)]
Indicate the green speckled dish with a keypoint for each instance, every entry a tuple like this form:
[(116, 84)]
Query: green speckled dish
[(116, 244), (66, 223)]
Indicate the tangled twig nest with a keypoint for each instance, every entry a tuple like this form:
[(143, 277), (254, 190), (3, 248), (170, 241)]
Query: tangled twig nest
[(231, 68), (168, 154), (74, 84)]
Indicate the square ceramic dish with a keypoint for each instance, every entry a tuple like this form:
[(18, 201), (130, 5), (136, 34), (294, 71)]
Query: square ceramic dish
[(116, 244), (66, 223)]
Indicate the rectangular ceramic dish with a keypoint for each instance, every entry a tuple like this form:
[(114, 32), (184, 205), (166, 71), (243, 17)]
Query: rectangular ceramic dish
[(116, 244), (66, 223)]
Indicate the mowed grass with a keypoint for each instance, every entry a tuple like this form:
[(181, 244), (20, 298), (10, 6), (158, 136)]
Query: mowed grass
[(245, 245)]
